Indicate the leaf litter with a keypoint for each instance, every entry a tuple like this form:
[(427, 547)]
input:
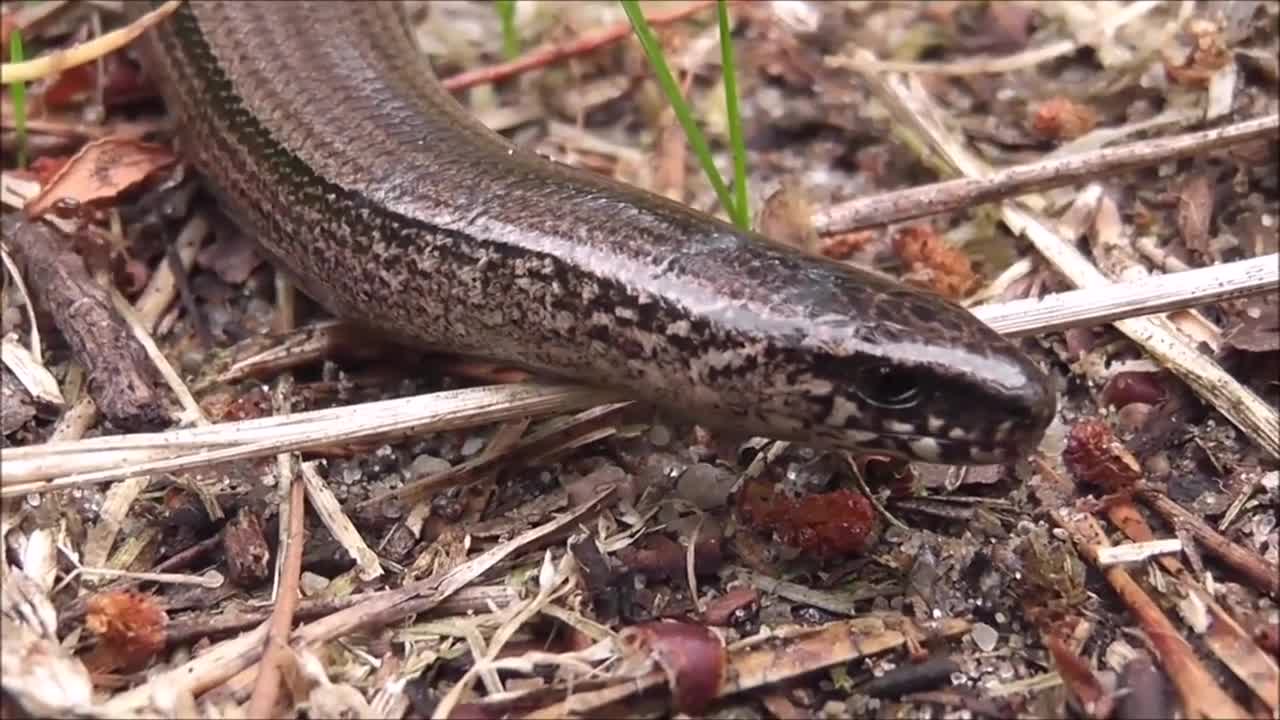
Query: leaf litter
[(611, 562)]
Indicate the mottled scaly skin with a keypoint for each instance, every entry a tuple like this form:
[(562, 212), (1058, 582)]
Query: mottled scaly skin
[(324, 131)]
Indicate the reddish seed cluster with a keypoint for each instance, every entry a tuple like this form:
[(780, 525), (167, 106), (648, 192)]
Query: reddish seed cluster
[(835, 523), (130, 627), (1061, 118), (934, 263), (1094, 455)]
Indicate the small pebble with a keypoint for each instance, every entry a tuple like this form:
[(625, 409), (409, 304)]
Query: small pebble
[(1158, 465), (1134, 416), (427, 465), (835, 709), (659, 436), (984, 636), (312, 584), (705, 485), (351, 474), (473, 445)]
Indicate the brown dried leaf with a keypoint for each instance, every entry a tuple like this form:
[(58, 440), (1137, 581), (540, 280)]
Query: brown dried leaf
[(1084, 685), (787, 217), (1133, 387), (1010, 26), (232, 257), (1257, 328), (72, 86), (1257, 237), (728, 608), (245, 547), (691, 656), (100, 171), (1195, 211), (16, 405), (1209, 54)]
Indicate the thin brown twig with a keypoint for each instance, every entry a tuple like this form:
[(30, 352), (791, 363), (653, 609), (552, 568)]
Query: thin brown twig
[(1240, 558), (547, 54), (960, 193), (276, 650), (477, 599), (1201, 694), (1224, 636)]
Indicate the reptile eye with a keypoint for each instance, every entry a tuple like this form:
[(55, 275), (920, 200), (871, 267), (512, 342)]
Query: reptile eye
[(888, 387)]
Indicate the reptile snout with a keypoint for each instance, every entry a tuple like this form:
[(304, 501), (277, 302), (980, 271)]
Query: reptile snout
[(1031, 405)]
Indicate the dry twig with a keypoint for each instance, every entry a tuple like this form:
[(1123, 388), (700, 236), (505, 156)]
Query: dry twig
[(1201, 695), (548, 54), (1135, 298), (1046, 174), (276, 653)]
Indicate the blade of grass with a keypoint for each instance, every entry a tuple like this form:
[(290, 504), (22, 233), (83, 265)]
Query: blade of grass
[(510, 38), (18, 94), (653, 51), (736, 141)]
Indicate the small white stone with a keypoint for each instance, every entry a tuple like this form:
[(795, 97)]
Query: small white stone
[(984, 636)]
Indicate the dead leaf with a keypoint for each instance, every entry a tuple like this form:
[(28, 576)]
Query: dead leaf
[(1208, 54), (72, 86), (787, 217), (46, 167), (1084, 685), (232, 257), (248, 556), (1257, 237), (1010, 26), (726, 609), (1129, 387), (1195, 211), (1257, 328), (691, 656), (100, 171)]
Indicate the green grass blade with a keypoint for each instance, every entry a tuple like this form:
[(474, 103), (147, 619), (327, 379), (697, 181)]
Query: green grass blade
[(653, 50), (18, 94), (736, 141), (510, 38)]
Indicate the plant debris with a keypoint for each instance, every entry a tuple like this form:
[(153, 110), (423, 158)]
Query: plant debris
[(217, 501)]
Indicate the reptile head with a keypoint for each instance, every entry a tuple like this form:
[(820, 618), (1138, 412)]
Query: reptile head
[(915, 376), (828, 355), (925, 380)]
